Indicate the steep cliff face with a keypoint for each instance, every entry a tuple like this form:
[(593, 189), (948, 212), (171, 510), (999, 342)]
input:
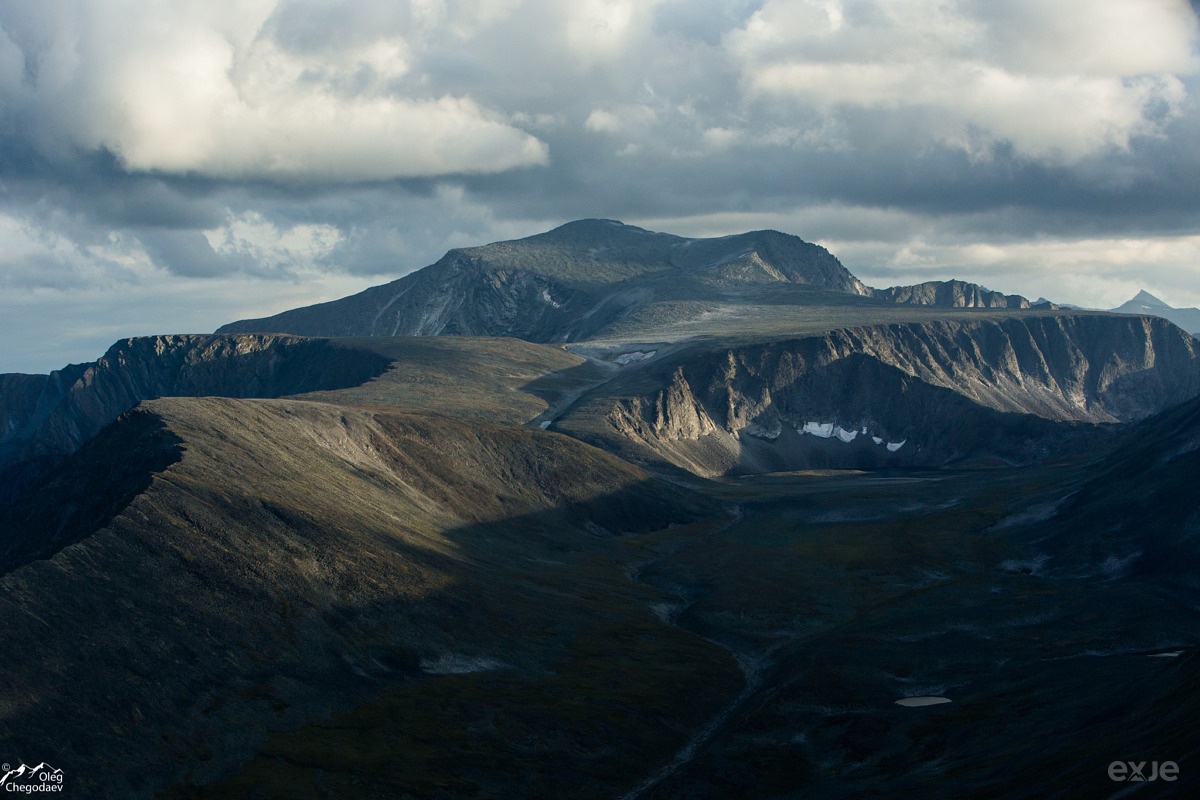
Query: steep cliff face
[(909, 394), (951, 294), (565, 285), (55, 414)]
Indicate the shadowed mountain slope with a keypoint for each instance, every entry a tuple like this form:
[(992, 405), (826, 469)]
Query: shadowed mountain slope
[(1139, 512), (294, 558)]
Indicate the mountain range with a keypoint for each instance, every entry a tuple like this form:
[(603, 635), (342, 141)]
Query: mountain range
[(610, 513), (594, 279)]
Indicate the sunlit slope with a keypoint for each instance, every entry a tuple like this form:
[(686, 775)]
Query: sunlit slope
[(492, 379), (1012, 390), (297, 558), (489, 379)]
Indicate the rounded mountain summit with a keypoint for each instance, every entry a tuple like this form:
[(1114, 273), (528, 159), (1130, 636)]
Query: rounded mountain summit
[(575, 281)]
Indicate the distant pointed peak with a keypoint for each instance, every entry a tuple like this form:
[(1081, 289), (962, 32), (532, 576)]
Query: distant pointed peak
[(1146, 298)]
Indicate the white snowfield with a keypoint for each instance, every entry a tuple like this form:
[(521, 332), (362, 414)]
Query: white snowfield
[(822, 429), (831, 430)]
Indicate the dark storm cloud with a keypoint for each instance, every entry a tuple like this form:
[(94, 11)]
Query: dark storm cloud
[(189, 254)]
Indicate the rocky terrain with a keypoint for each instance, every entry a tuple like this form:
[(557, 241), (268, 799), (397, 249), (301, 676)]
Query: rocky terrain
[(56, 413), (721, 521), (951, 294), (881, 396)]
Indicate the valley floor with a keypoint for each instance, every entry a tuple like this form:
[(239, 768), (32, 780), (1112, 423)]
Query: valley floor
[(838, 594)]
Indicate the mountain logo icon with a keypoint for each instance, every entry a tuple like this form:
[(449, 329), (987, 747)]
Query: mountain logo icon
[(50, 778)]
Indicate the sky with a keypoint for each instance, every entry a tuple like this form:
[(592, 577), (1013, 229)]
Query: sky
[(172, 166)]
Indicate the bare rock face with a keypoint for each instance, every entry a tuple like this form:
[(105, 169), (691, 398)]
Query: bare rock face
[(565, 285), (951, 294), (55, 414), (926, 393)]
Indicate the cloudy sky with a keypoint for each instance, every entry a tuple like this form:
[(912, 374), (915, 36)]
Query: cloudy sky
[(171, 166)]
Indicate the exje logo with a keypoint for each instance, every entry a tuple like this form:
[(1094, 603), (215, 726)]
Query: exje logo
[(1135, 771), (31, 780)]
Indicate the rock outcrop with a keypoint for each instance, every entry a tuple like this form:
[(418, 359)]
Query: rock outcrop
[(951, 294), (929, 393), (55, 414)]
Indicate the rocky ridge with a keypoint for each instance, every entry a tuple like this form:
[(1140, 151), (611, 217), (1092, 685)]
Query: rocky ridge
[(952, 294), (924, 394), (46, 415)]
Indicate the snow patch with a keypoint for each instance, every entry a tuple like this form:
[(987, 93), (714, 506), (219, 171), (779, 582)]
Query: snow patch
[(831, 430), (636, 355), (546, 296), (823, 430)]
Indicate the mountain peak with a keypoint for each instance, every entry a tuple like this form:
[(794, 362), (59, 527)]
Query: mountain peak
[(1145, 303), (1144, 298)]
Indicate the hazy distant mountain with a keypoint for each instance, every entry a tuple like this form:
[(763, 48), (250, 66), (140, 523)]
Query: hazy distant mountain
[(1145, 303)]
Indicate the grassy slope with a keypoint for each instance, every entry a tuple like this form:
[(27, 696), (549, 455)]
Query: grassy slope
[(491, 379), (303, 558)]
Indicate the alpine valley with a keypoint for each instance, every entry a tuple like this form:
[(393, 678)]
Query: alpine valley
[(609, 513)]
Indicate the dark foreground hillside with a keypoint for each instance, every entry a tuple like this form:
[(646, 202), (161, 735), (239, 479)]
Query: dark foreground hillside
[(300, 558)]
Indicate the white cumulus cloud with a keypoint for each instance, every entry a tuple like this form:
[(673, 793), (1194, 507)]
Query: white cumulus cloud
[(202, 87), (1055, 81)]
